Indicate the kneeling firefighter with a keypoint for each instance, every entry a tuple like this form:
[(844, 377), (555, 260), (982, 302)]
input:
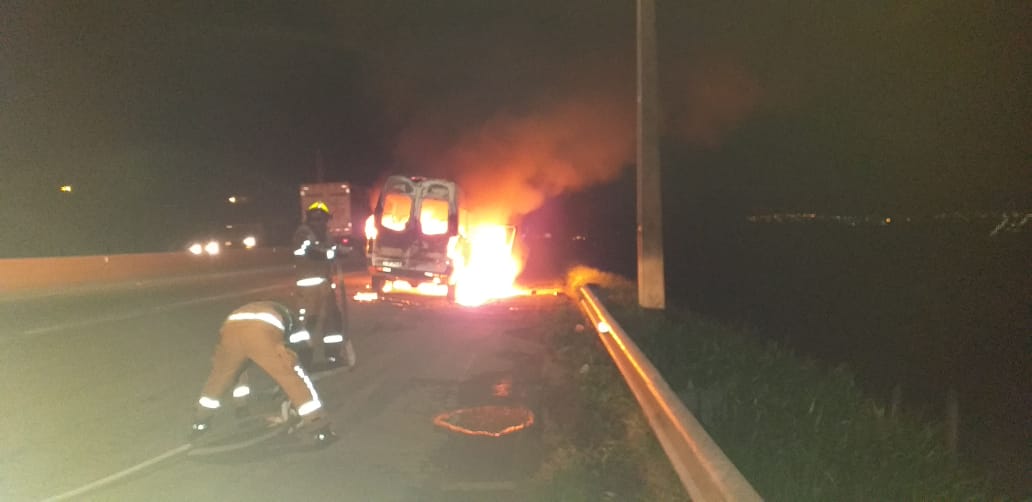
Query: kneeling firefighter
[(320, 298), (255, 333)]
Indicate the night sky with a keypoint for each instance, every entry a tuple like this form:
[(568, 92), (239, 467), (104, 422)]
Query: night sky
[(156, 111)]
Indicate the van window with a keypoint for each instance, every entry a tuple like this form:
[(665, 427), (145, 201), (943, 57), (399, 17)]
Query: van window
[(437, 191), (433, 216), (397, 209)]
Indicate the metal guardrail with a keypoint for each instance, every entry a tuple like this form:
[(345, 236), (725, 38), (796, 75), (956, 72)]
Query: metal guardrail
[(706, 473)]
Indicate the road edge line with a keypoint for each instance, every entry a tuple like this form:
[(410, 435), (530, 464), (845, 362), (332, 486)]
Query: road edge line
[(119, 475)]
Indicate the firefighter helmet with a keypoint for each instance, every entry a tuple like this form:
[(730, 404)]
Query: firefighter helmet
[(317, 207), (318, 212)]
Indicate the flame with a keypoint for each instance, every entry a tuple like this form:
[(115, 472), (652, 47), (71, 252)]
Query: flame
[(370, 228), (396, 210), (423, 288), (484, 265), (433, 217), (491, 271)]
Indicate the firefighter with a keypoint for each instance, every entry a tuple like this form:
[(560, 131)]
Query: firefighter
[(320, 298), (255, 333)]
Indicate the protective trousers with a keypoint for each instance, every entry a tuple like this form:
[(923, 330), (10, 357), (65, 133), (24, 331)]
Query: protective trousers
[(260, 342), (319, 309)]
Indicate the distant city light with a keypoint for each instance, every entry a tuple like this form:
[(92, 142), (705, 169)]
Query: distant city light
[(66, 188)]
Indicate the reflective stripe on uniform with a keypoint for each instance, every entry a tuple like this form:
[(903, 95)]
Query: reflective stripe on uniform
[(308, 383), (241, 391), (207, 402), (310, 281), (257, 316), (299, 336), (333, 339), (309, 407)]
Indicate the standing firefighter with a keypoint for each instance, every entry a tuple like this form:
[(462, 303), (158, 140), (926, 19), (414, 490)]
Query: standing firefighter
[(321, 303), (255, 333)]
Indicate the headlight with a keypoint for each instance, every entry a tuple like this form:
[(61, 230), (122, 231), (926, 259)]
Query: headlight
[(250, 242), (196, 248), (212, 248)]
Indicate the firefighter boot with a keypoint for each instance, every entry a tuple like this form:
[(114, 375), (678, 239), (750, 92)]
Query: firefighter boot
[(315, 432)]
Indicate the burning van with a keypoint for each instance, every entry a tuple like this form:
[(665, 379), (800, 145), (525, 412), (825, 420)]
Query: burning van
[(417, 235)]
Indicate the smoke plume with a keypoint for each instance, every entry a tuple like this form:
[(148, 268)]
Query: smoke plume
[(510, 164)]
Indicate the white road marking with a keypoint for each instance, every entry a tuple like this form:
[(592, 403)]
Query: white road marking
[(119, 475)]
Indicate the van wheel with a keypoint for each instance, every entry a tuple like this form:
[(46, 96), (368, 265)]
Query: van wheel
[(376, 282)]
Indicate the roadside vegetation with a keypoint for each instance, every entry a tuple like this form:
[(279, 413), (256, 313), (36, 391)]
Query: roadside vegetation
[(797, 430)]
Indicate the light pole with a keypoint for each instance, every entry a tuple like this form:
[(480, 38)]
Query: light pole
[(651, 284)]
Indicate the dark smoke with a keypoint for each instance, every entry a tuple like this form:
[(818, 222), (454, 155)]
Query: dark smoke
[(509, 165)]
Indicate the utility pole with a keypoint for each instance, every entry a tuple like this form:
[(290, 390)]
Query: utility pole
[(651, 284)]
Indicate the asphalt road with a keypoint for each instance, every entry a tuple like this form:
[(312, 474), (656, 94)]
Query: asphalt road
[(92, 385)]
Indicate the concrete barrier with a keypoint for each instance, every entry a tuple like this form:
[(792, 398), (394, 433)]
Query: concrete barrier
[(28, 275)]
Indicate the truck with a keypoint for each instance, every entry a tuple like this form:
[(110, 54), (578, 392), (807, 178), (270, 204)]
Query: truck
[(416, 233), (337, 196)]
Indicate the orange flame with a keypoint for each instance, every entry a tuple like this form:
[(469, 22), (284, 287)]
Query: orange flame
[(491, 271)]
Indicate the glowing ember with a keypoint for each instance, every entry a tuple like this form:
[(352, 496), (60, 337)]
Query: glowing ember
[(366, 296), (491, 421), (502, 388), (492, 268), (424, 288)]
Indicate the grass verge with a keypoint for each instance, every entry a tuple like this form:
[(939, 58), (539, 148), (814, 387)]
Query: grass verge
[(798, 431)]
